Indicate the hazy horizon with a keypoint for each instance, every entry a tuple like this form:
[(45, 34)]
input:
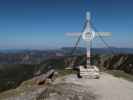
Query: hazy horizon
[(12, 49)]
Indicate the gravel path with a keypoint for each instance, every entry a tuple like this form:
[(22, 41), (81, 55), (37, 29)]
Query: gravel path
[(107, 87)]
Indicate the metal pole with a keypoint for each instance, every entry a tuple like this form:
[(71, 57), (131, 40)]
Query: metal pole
[(88, 54)]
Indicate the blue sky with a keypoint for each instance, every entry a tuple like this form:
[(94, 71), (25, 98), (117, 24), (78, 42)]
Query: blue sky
[(42, 24)]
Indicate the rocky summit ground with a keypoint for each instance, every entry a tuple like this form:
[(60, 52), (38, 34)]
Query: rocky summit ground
[(107, 87), (69, 87)]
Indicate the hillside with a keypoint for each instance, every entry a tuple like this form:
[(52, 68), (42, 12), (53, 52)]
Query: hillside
[(12, 75)]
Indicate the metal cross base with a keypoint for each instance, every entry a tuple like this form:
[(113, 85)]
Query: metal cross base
[(90, 72)]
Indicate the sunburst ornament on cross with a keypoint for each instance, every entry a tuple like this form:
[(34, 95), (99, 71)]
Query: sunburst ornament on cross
[(88, 32)]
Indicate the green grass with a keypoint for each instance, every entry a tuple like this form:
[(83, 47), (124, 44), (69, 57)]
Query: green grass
[(121, 74)]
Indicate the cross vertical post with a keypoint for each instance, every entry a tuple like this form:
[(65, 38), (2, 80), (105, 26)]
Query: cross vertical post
[(88, 54)]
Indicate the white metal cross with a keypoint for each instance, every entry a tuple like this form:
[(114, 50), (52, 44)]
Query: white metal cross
[(88, 35)]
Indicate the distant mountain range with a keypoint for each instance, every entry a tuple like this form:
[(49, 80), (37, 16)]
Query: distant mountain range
[(101, 50), (67, 50), (114, 50)]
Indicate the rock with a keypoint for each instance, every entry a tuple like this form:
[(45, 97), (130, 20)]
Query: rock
[(66, 91), (91, 72), (45, 78)]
